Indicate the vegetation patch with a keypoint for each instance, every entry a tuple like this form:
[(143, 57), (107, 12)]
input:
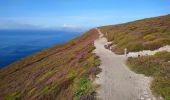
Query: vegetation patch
[(83, 87), (51, 72), (14, 96), (147, 34), (149, 37), (31, 91), (93, 61), (157, 66)]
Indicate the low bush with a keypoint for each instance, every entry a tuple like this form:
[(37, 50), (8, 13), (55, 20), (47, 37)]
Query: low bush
[(156, 66), (134, 46), (149, 37), (13, 96), (47, 74), (83, 87), (164, 55)]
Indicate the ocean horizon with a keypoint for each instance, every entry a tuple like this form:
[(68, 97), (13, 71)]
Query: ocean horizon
[(17, 44)]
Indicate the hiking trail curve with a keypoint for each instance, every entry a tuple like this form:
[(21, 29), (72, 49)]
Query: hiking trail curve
[(117, 81)]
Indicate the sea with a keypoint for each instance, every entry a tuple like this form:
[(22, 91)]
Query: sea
[(17, 44)]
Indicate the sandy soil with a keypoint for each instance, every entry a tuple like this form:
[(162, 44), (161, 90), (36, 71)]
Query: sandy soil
[(116, 81)]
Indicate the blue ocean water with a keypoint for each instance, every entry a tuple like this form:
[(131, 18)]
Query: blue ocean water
[(17, 44)]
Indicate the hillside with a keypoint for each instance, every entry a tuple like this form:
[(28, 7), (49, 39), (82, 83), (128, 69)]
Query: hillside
[(67, 71), (62, 72), (146, 34)]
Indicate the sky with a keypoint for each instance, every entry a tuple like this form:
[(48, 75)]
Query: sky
[(76, 13)]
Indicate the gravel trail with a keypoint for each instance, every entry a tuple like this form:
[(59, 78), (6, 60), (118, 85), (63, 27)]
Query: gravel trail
[(117, 81)]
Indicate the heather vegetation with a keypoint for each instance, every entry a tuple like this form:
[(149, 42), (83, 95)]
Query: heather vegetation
[(62, 72), (147, 34), (157, 66)]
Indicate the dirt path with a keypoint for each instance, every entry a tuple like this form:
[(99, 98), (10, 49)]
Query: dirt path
[(116, 81)]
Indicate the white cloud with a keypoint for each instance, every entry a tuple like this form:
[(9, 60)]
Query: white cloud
[(76, 22)]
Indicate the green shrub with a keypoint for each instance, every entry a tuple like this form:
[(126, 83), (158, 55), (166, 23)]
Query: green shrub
[(149, 37), (72, 74), (51, 72), (14, 96), (93, 61), (82, 87)]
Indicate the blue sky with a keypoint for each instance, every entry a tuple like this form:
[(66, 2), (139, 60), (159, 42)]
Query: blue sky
[(77, 13)]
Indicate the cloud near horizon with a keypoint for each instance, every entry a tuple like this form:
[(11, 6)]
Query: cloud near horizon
[(10, 24), (68, 13), (85, 22)]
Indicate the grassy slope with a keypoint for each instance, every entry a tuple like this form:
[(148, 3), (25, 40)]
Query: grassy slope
[(150, 33), (156, 66), (62, 72)]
